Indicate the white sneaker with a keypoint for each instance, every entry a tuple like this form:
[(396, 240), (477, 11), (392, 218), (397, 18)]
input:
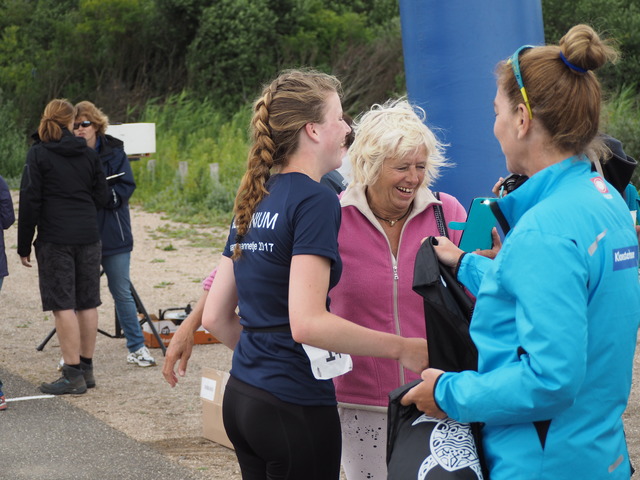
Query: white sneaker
[(141, 357)]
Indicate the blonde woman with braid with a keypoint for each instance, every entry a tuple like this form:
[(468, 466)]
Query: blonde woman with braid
[(279, 263)]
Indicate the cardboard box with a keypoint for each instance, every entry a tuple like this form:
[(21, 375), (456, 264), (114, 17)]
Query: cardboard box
[(166, 328), (211, 394)]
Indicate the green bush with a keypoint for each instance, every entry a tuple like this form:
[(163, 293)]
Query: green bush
[(13, 143), (193, 131), (232, 53), (616, 19)]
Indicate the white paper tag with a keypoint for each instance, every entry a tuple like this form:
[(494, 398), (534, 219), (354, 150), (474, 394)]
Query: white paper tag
[(326, 364), (208, 388), (634, 216)]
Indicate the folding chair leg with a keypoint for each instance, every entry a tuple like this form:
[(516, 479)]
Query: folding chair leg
[(46, 340)]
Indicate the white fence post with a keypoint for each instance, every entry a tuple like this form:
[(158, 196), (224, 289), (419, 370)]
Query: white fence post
[(214, 172), (183, 170), (151, 168)]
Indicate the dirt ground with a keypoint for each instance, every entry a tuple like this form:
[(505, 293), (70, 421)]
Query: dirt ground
[(168, 263), (166, 272)]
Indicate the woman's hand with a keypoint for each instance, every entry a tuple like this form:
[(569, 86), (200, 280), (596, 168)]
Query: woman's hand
[(497, 245), (179, 350), (26, 261), (422, 395), (181, 345), (496, 188), (447, 251), (415, 355)]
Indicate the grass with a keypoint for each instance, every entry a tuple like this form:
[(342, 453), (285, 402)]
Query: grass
[(196, 235), (194, 132)]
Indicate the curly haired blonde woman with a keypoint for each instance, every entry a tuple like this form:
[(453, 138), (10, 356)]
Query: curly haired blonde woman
[(387, 210), (279, 263)]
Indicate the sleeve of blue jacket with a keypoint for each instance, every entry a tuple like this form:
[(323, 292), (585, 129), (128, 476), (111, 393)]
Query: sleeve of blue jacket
[(543, 279), (472, 270)]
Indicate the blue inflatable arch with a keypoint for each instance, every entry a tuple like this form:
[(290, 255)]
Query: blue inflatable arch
[(451, 49)]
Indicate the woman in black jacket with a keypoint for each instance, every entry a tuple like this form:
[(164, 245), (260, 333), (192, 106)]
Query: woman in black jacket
[(62, 184), (114, 223)]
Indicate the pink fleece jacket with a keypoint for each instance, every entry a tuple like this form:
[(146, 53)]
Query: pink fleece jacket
[(375, 289)]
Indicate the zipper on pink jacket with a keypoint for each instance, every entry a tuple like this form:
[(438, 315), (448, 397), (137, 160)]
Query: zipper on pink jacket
[(395, 311)]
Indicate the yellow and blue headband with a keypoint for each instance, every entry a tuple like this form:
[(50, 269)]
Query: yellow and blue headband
[(514, 61)]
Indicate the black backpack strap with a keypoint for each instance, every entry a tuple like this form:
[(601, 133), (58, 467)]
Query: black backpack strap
[(439, 213)]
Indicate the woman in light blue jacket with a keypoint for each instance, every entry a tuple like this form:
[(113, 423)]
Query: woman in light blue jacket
[(557, 311)]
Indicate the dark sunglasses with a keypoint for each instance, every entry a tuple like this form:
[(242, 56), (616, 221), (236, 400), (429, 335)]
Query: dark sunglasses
[(84, 124)]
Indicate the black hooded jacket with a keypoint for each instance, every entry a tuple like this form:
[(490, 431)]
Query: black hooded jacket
[(114, 221), (62, 184)]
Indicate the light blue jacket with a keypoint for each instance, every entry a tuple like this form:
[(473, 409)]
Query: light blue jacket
[(555, 324)]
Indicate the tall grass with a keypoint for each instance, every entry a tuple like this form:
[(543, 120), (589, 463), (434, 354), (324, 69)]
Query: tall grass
[(193, 131)]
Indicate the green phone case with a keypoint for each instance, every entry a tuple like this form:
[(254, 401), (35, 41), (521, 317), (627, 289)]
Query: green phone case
[(476, 231)]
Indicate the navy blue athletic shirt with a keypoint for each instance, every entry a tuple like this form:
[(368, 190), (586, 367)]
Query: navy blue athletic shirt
[(298, 217)]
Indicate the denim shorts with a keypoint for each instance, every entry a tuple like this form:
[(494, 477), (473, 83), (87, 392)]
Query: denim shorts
[(69, 275)]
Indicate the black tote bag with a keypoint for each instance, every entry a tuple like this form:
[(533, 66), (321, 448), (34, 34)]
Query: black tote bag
[(447, 310), (422, 447), (425, 448)]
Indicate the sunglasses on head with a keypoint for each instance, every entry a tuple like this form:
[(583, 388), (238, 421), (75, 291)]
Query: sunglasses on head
[(84, 124), (514, 61)]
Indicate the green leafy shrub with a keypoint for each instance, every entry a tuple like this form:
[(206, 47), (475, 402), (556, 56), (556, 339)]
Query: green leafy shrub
[(13, 143), (193, 131), (232, 53)]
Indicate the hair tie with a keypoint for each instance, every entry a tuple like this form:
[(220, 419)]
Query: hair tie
[(571, 65)]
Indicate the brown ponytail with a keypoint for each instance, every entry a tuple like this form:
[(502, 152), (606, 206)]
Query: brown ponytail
[(58, 114)]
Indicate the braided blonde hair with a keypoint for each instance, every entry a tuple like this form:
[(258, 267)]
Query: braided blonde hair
[(294, 99)]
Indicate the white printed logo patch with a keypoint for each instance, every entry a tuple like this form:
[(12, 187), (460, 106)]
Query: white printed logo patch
[(625, 258)]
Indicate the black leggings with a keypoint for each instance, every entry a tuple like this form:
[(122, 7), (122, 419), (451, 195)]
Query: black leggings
[(276, 440)]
